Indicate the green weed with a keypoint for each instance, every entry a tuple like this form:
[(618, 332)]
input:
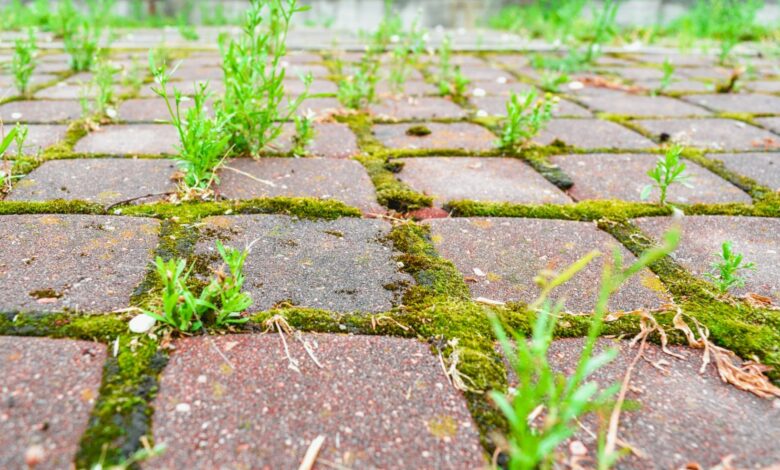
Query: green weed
[(358, 90), (23, 62), (83, 44), (726, 270), (20, 137), (669, 169), (304, 133), (6, 173), (666, 79), (102, 105), (526, 116)]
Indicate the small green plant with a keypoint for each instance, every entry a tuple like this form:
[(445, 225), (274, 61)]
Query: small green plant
[(551, 82), (604, 30), (203, 142), (726, 270), (20, 137), (304, 133), (220, 303), (254, 77), (544, 409), (669, 169), (83, 44), (101, 92), (666, 79), (450, 80), (6, 176), (405, 55), (23, 62), (358, 90), (526, 117)]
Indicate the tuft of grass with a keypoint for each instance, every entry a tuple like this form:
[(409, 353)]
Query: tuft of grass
[(358, 90), (526, 117), (254, 77), (102, 106), (725, 272), (82, 43), (23, 62), (669, 169)]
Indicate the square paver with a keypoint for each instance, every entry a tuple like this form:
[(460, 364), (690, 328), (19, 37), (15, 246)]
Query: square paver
[(417, 108), (771, 123), (628, 104), (342, 180), (758, 239), (77, 262), (716, 134), (321, 107), (295, 87), (49, 389), (765, 86), (763, 167), (380, 402), (101, 180), (131, 139), (592, 134), (752, 103), (677, 85), (479, 179), (459, 135), (38, 111), (500, 257), (500, 86), (70, 91), (496, 106), (148, 110), (623, 176), (39, 138), (671, 394), (331, 140), (341, 265), (409, 88)]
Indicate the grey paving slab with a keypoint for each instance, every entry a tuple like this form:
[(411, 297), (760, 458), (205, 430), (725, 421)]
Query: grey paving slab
[(342, 180), (633, 73), (460, 135), (321, 107), (707, 72), (592, 134), (331, 140), (752, 103), (500, 257), (627, 104), (757, 238), (67, 91), (39, 138), (677, 84), (623, 176), (496, 106), (147, 110), (49, 388), (76, 262), (295, 87), (341, 265), (39, 111), (716, 418), (479, 179), (417, 108), (765, 86), (500, 86), (771, 123), (716, 134), (763, 167), (380, 402), (131, 139), (187, 88), (410, 88), (101, 180)]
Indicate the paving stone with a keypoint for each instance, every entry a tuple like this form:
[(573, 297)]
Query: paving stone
[(49, 389), (40, 137), (617, 102), (77, 262), (131, 139), (38, 111), (341, 265), (499, 257), (187, 88), (295, 87), (459, 135), (764, 167), (591, 134), (771, 123), (708, 72), (410, 88), (677, 85), (65, 91), (757, 238), (677, 59), (716, 134), (101, 180), (633, 73), (500, 86), (301, 70), (765, 86), (381, 402), (36, 79), (716, 418), (342, 180), (331, 140), (496, 106), (752, 103), (146, 110), (623, 176), (481, 72), (417, 108), (199, 73), (479, 179), (321, 107)]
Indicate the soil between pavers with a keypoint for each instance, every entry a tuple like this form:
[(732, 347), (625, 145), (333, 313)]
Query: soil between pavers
[(757, 238), (380, 402), (710, 133), (331, 140), (479, 179), (623, 176), (101, 180), (500, 257), (86, 263), (130, 139), (49, 387), (417, 108), (763, 167), (342, 265), (39, 111), (459, 135), (592, 134), (342, 180)]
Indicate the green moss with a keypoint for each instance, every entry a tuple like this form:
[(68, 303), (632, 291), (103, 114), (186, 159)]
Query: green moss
[(62, 325), (586, 210), (58, 206), (418, 130), (391, 192)]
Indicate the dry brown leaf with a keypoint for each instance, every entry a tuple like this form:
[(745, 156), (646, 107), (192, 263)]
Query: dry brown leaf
[(596, 81)]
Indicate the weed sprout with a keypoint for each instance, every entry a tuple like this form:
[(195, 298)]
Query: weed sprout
[(669, 169), (526, 117), (23, 62), (725, 272), (304, 133)]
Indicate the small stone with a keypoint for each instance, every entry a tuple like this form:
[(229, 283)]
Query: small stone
[(183, 408), (34, 455), (142, 323)]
